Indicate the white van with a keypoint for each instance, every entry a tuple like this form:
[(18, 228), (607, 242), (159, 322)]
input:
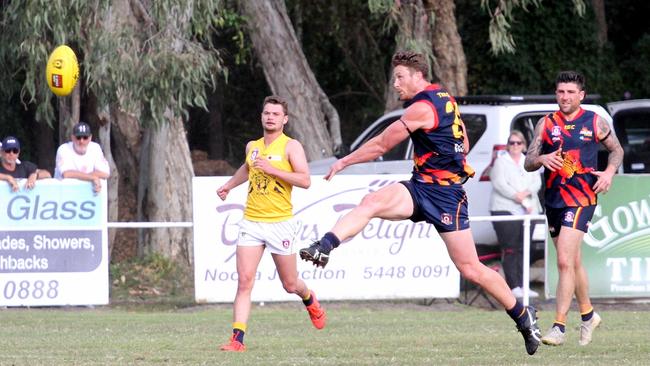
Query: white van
[(488, 120)]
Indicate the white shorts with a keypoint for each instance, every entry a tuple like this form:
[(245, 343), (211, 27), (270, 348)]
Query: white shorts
[(278, 237)]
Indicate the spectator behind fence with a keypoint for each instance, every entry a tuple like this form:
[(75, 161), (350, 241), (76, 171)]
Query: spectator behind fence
[(514, 193), (11, 168), (81, 158)]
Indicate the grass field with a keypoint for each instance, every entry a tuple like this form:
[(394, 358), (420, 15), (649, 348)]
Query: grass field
[(365, 333)]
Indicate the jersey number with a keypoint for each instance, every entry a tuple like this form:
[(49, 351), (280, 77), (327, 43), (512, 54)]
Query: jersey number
[(456, 127)]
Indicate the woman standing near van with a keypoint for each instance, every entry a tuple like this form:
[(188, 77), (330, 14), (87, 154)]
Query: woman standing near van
[(514, 193)]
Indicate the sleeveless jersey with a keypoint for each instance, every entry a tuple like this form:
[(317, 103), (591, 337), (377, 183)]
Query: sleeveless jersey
[(572, 185), (439, 157), (269, 198)]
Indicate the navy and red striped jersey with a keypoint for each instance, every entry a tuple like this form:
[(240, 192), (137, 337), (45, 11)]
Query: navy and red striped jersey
[(439, 156), (572, 185)]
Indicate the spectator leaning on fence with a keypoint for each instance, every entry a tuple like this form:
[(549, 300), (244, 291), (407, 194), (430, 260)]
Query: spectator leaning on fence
[(12, 168), (514, 193), (81, 158)]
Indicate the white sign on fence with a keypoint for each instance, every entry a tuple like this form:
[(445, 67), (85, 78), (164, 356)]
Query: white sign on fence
[(387, 260), (53, 244)]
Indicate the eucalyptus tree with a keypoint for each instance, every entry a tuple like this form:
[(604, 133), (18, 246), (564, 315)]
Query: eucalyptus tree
[(313, 119), (429, 27), (142, 64)]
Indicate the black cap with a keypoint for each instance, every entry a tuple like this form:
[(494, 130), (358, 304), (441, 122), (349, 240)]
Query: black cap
[(10, 142), (81, 129)]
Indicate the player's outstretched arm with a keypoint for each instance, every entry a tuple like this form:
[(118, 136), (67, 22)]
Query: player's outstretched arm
[(416, 116)]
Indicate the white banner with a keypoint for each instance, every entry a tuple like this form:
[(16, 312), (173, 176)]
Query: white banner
[(387, 260), (53, 244)]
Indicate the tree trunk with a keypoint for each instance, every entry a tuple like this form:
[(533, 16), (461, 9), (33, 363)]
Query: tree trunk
[(312, 118), (601, 21), (413, 34), (100, 116), (114, 178), (450, 65), (168, 192), (69, 110), (429, 27), (168, 180)]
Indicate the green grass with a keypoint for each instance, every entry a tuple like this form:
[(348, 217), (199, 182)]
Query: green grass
[(364, 333)]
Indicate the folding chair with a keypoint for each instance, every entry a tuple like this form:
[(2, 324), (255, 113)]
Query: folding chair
[(491, 257)]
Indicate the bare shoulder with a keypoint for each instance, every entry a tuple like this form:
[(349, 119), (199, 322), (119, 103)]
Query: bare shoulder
[(294, 149), (248, 146), (603, 127), (418, 115)]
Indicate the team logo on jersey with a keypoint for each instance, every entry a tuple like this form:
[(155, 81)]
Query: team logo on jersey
[(254, 153), (445, 218), (556, 131), (286, 243), (586, 134), (568, 217)]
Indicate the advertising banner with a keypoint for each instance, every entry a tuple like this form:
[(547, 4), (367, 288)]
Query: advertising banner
[(53, 244), (386, 260), (616, 250)]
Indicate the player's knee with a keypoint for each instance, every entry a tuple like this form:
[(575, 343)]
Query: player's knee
[(371, 202), (290, 286), (245, 283), (564, 264), (470, 272)]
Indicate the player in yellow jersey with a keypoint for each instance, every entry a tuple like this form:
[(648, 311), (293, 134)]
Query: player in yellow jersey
[(274, 164)]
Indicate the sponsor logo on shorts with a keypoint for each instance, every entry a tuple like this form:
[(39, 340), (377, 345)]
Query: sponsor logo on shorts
[(568, 217), (286, 243), (445, 218)]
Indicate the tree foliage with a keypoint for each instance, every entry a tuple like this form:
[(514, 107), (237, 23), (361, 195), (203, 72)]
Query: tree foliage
[(502, 17), (138, 70), (542, 51)]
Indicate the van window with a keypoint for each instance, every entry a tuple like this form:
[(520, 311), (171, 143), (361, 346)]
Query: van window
[(633, 131), (475, 126), (399, 152), (525, 123)]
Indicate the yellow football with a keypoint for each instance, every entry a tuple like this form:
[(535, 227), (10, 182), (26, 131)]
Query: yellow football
[(62, 71)]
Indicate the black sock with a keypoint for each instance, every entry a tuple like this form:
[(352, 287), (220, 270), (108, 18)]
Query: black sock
[(329, 241), (517, 313), (560, 326), (587, 316), (239, 335), (309, 300)]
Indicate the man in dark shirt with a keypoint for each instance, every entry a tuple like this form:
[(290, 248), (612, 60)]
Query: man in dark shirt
[(10, 170)]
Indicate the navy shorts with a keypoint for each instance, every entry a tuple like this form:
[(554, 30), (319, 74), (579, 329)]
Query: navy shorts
[(443, 206), (573, 217)]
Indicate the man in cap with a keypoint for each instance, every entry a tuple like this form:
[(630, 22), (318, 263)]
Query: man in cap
[(81, 158), (11, 168)]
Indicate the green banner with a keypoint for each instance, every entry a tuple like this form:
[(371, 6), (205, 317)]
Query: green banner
[(616, 250)]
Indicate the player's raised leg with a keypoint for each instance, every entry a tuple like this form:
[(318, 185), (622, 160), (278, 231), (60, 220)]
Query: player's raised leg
[(462, 252), (392, 202)]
